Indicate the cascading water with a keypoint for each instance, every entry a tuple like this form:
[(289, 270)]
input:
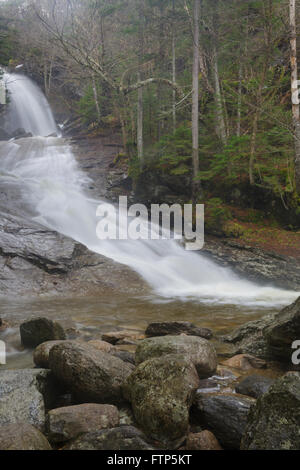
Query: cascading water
[(28, 107), (52, 186)]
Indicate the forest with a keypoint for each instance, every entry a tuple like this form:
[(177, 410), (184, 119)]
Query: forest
[(201, 91), (119, 332)]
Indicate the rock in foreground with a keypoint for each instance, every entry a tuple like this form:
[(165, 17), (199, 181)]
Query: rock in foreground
[(22, 437), (40, 330), (177, 328), (161, 391), (274, 422), (254, 385), (64, 424), (22, 396), (195, 349), (91, 375), (225, 415), (122, 438)]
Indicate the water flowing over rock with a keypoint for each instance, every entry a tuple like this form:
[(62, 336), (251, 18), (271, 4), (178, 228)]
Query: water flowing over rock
[(198, 350), (273, 424), (91, 375), (161, 391)]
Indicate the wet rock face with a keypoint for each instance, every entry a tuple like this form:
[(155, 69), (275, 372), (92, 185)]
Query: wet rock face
[(64, 424), (22, 437), (254, 385), (204, 440), (176, 328), (91, 375), (39, 330), (273, 424), (283, 331), (35, 260), (22, 396), (161, 391), (198, 350), (225, 415), (271, 337), (121, 438)]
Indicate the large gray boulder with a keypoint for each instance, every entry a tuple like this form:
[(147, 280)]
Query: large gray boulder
[(120, 438), (225, 415), (64, 424), (161, 391), (197, 350), (39, 330), (283, 331), (274, 423), (270, 337), (22, 436), (22, 396), (254, 385), (176, 328), (91, 375), (41, 353)]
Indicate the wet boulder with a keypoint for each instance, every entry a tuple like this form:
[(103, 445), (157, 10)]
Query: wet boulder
[(161, 391), (41, 353), (22, 436), (195, 349), (64, 424), (274, 423), (283, 331), (254, 385), (23, 394), (177, 328), (225, 415), (91, 375), (39, 330), (204, 440), (120, 438)]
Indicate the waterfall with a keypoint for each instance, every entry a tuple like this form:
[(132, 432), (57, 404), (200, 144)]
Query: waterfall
[(47, 175), (28, 107)]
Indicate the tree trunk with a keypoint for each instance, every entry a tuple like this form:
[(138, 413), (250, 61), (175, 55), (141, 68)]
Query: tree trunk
[(195, 108), (140, 104), (96, 99), (295, 94), (220, 122), (239, 104), (174, 69)]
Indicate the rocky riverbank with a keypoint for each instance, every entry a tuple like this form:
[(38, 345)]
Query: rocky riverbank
[(170, 392)]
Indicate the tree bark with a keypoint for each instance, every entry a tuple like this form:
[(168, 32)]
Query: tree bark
[(295, 93), (174, 69), (195, 107)]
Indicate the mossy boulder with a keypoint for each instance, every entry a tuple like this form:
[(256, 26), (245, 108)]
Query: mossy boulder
[(274, 423), (92, 376), (193, 348), (40, 330), (161, 391)]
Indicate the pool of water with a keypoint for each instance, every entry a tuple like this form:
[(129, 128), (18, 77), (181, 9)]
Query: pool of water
[(90, 317)]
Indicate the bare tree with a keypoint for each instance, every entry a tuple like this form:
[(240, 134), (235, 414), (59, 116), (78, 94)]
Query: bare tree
[(295, 93), (195, 106)]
